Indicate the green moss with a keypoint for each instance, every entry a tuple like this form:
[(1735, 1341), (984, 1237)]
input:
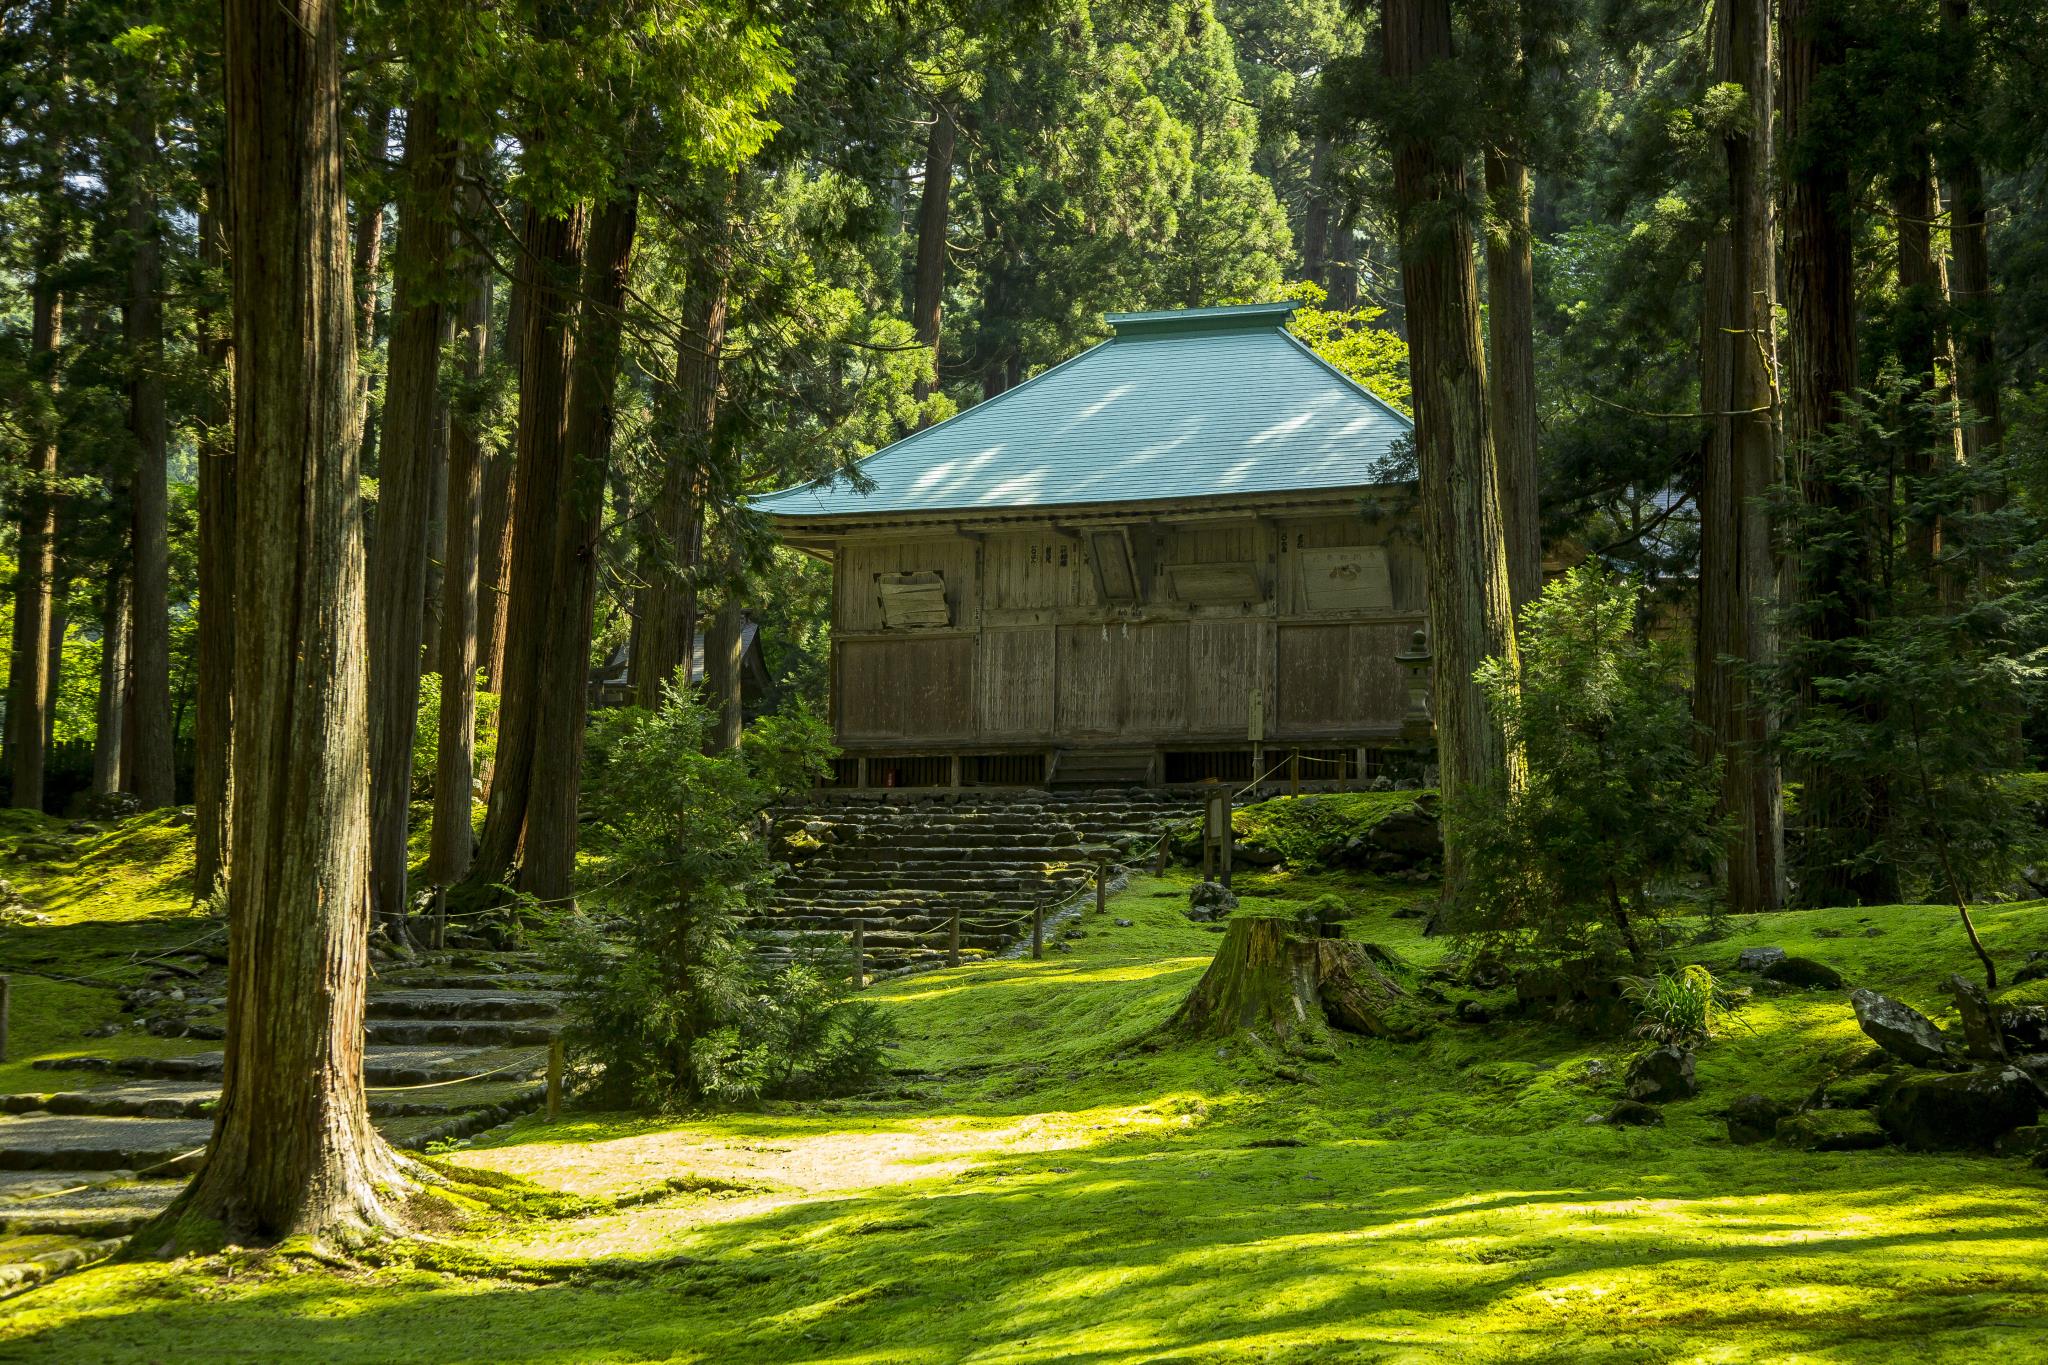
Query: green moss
[(1045, 1176), (1308, 831)]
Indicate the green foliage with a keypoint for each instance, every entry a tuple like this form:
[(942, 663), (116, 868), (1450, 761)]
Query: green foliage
[(426, 734), (1915, 711), (668, 998), (1369, 356), (1616, 799), (1682, 1006)]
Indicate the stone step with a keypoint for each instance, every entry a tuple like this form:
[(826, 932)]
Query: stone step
[(462, 1003), (61, 1142), (159, 1099), (475, 1032), (52, 1204), (458, 981), (410, 1064)]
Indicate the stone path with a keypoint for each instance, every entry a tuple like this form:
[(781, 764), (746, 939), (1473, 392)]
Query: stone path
[(456, 1043)]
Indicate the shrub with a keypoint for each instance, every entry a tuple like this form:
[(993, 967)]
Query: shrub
[(1561, 868), (667, 995)]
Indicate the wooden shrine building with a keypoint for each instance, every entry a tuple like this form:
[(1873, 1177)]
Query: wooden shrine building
[(1169, 559)]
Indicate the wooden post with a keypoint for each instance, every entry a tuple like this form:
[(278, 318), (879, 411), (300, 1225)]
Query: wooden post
[(555, 1078), (1101, 887), (1159, 856), (1038, 933), (860, 955), (440, 929), (6, 993), (953, 939), (1294, 773), (1229, 836)]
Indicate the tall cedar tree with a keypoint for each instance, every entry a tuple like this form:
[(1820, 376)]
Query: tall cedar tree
[(1740, 463), (293, 1153), (398, 561), (213, 725), (454, 833), (564, 655), (150, 764), (553, 256), (1471, 613), (928, 284), (665, 613), (1977, 372), (1839, 813), (29, 684)]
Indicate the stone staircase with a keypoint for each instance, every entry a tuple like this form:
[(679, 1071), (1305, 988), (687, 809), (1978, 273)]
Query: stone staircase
[(901, 867), (454, 1043)]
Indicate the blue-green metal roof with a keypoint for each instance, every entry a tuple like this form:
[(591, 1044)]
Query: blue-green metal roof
[(1197, 403)]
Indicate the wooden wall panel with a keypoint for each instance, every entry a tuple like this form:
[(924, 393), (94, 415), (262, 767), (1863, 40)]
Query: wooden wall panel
[(1014, 683), (1152, 669), (1225, 662), (910, 689), (1089, 699), (861, 561), (1310, 677), (1035, 571)]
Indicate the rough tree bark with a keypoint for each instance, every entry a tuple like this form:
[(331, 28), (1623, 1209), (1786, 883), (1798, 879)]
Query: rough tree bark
[(1470, 609), (293, 1153), (928, 287), (1270, 979), (213, 725), (398, 560), (454, 833), (1315, 214), (29, 684), (149, 718), (494, 546), (1920, 330), (109, 724), (665, 615), (367, 256), (1839, 813), (553, 252), (564, 665), (723, 685), (1970, 281), (1511, 332), (1740, 463)]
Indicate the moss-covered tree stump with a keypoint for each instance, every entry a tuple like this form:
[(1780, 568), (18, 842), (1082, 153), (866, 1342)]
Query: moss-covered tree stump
[(1268, 977)]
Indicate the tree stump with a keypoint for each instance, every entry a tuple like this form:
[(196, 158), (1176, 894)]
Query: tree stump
[(1268, 977)]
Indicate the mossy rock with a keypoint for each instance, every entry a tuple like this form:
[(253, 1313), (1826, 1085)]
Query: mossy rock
[(1832, 1130)]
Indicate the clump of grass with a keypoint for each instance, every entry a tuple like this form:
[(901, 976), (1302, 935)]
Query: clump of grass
[(1682, 1007)]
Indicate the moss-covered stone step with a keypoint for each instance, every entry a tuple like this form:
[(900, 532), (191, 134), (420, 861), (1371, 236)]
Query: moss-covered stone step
[(65, 1142), (462, 1004), (26, 1262)]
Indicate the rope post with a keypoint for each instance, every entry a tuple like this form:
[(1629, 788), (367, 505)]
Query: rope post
[(1101, 887), (953, 938), (1294, 773), (1038, 933), (6, 994), (860, 954), (440, 917), (1159, 855), (555, 1079)]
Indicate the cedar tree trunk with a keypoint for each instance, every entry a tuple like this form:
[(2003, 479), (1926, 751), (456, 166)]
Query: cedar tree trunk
[(454, 835), (149, 718), (928, 289), (398, 560), (293, 1152), (213, 726), (1470, 608), (29, 685), (554, 253), (564, 665), (1511, 331), (110, 729)]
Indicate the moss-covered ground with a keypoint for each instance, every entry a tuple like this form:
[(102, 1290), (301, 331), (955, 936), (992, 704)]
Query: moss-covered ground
[(1042, 1178)]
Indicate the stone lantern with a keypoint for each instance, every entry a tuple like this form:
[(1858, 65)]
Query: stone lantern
[(1418, 727)]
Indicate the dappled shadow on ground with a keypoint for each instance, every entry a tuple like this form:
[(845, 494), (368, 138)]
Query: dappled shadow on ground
[(1194, 1246)]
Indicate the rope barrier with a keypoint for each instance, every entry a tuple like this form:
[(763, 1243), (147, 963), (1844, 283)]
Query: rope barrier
[(459, 1080)]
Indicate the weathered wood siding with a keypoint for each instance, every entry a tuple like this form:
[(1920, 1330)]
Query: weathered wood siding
[(1302, 614)]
